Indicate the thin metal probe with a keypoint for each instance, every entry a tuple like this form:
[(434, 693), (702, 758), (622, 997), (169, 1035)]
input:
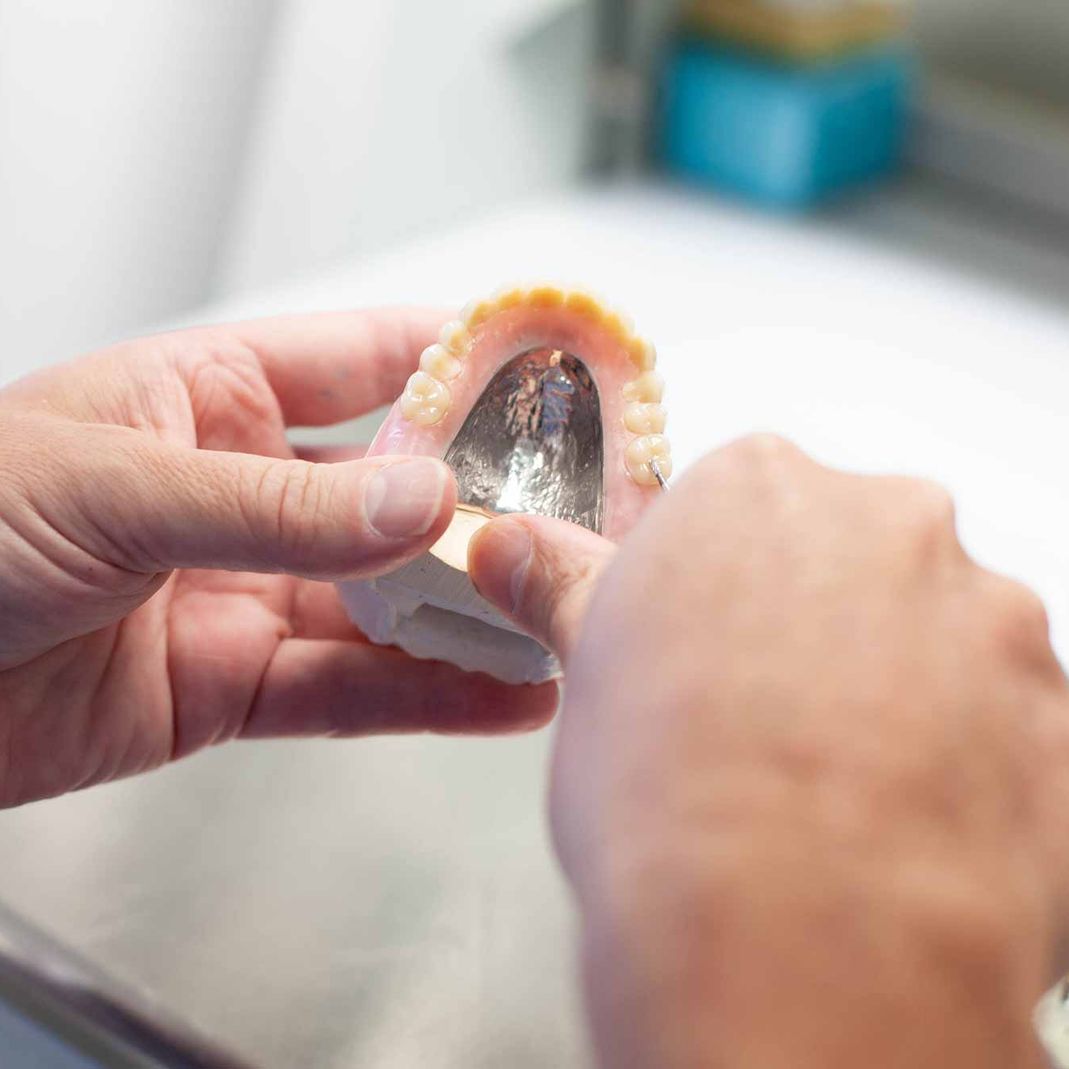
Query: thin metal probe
[(655, 467)]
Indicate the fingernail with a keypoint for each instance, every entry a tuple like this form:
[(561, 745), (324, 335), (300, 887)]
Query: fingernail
[(504, 558), (403, 499)]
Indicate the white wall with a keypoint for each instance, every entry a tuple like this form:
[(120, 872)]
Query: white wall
[(122, 132), (157, 154), (388, 116)]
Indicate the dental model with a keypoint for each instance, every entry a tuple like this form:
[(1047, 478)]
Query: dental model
[(542, 400)]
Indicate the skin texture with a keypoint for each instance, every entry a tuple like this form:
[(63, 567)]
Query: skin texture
[(811, 778), (810, 782), (164, 556)]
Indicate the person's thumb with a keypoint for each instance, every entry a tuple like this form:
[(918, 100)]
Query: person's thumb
[(540, 573), (152, 507)]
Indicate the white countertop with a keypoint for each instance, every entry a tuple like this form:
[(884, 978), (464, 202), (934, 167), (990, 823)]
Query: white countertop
[(394, 903)]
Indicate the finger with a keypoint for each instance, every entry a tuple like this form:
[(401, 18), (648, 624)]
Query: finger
[(349, 689), (317, 612), (149, 506), (540, 573), (329, 454), (332, 366)]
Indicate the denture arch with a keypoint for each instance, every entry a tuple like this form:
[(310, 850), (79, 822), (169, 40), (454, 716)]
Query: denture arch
[(542, 399), (563, 316)]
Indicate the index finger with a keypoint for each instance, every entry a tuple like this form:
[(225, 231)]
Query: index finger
[(326, 367)]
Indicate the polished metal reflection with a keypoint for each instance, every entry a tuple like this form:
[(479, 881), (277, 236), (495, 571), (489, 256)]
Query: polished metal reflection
[(81, 1006), (534, 441), (662, 482)]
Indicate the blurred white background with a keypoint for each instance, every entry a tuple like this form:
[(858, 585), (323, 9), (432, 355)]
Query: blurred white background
[(157, 154)]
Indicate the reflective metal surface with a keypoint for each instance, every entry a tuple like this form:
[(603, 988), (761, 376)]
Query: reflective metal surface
[(533, 442), (91, 1014)]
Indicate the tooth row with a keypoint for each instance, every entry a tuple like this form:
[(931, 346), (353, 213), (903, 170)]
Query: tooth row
[(645, 417), (426, 397), (582, 302)]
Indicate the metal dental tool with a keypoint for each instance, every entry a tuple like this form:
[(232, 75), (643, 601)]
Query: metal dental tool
[(662, 482)]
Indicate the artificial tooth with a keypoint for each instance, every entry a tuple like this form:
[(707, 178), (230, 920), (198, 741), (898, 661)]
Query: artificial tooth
[(545, 296), (584, 303), (648, 388), (477, 312), (645, 418), (619, 324), (455, 337), (643, 354), (509, 297), (425, 400), (641, 452), (438, 362)]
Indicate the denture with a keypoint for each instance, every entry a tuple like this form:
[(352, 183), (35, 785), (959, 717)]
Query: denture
[(542, 400)]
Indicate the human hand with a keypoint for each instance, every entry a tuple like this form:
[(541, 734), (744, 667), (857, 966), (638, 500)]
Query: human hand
[(811, 779), (162, 553)]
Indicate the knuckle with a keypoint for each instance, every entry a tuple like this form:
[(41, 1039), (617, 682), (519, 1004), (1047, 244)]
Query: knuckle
[(224, 380), (1019, 615), (289, 496), (559, 594), (753, 461), (928, 509), (764, 451), (932, 503)]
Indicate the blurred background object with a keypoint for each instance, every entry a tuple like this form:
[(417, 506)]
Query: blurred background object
[(386, 902), (786, 102), (156, 157)]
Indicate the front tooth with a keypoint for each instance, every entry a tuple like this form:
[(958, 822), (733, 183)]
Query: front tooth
[(439, 363), (455, 337), (545, 296), (647, 388), (642, 418), (509, 297), (425, 400), (585, 303), (639, 454)]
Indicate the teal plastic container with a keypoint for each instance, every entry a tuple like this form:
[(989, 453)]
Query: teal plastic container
[(786, 135)]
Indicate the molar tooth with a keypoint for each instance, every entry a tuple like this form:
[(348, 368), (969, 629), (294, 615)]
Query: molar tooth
[(640, 418), (425, 400), (455, 337), (438, 362), (641, 451), (647, 388)]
